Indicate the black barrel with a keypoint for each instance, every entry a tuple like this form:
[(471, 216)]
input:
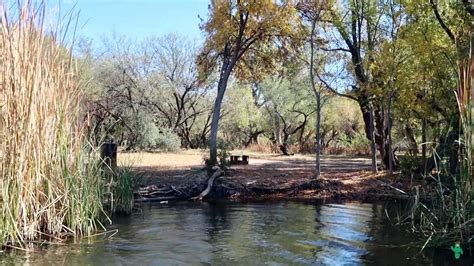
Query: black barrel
[(108, 154)]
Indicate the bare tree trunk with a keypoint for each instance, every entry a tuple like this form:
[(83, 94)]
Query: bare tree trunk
[(254, 138), (221, 87), (275, 122), (410, 135), (380, 130), (318, 135), (286, 135), (202, 139), (317, 93), (277, 129), (389, 127), (373, 147), (303, 128)]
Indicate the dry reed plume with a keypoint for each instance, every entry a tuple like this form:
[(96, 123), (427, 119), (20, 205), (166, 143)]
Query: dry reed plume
[(49, 174)]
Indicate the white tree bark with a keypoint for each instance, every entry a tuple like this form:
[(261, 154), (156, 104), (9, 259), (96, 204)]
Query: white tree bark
[(318, 135), (221, 88), (373, 147), (317, 94)]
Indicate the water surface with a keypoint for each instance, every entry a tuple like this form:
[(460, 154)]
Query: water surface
[(278, 233)]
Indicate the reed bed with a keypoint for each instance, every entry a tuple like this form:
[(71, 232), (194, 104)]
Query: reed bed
[(450, 215), (50, 179)]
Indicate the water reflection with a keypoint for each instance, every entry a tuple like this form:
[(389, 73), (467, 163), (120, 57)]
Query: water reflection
[(284, 233)]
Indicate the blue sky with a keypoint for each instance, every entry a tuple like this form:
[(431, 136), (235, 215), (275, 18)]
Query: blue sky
[(137, 19)]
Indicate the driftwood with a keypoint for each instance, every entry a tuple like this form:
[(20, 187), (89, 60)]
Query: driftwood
[(210, 183), (156, 199), (390, 186), (196, 188)]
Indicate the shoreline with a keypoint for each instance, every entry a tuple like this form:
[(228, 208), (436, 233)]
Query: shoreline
[(182, 176), (379, 187)]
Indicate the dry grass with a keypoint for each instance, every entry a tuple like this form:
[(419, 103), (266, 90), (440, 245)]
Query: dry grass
[(195, 158), (309, 149), (50, 184), (265, 168), (261, 148), (344, 177), (182, 160)]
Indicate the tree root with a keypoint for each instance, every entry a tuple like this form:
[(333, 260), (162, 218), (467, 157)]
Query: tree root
[(210, 183), (186, 191)]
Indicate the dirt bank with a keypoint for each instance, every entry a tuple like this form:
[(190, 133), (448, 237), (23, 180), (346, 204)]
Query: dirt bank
[(181, 177)]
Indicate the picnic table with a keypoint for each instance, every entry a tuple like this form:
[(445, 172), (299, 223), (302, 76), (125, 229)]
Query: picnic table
[(237, 159)]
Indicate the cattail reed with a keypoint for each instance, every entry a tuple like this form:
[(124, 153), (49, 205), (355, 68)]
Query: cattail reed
[(50, 179)]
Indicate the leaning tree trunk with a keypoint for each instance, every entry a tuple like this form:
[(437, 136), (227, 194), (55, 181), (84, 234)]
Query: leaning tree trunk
[(221, 88), (301, 141), (253, 138), (284, 145)]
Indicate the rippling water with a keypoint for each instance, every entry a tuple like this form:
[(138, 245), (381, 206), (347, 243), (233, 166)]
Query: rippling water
[(286, 233)]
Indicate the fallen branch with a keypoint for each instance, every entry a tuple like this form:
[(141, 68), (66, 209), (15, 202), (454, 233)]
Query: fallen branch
[(210, 183), (156, 199), (390, 186)]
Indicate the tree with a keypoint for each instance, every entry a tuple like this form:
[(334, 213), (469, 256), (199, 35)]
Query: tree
[(341, 119), (388, 61), (311, 12), (243, 121), (183, 96), (353, 31), (458, 27), (116, 107), (432, 37), (242, 35), (150, 91), (289, 105)]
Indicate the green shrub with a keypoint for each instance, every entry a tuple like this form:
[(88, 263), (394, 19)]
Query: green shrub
[(356, 145), (153, 137), (410, 164), (167, 140), (358, 141), (223, 155)]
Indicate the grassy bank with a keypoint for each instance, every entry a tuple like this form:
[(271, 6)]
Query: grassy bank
[(50, 174)]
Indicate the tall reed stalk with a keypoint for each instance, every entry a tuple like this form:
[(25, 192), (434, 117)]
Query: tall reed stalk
[(450, 215), (464, 218), (50, 178)]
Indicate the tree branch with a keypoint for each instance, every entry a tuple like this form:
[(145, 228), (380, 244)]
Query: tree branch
[(448, 31), (331, 89), (335, 49)]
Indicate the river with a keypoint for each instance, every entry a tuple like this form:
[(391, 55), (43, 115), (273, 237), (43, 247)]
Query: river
[(227, 233)]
